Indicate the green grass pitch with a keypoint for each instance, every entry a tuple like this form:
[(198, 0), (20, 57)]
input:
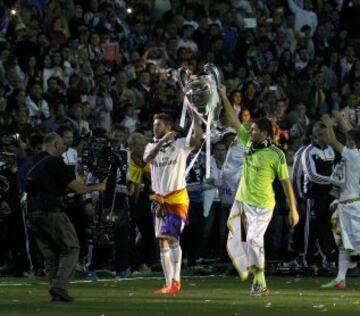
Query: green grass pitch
[(220, 296)]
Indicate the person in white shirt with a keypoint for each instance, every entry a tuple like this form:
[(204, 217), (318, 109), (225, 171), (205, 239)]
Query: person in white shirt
[(130, 121), (167, 156), (81, 127), (189, 17), (346, 218), (303, 15), (70, 154), (36, 106), (187, 41), (301, 59)]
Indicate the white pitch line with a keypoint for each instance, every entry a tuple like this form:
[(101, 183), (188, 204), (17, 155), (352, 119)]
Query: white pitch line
[(111, 280), (141, 278), (15, 284)]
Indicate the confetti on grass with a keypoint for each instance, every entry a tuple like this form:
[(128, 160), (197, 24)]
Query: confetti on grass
[(268, 304)]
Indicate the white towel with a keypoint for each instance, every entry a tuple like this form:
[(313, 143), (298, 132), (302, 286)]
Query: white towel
[(236, 248)]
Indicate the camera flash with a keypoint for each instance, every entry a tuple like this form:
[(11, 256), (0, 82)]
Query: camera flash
[(129, 10), (13, 12)]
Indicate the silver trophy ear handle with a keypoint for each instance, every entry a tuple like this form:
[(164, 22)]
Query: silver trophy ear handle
[(183, 75), (211, 69)]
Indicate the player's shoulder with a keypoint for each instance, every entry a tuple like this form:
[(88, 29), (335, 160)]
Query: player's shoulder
[(276, 153), (351, 153)]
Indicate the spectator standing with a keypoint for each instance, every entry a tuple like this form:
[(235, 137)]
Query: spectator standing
[(318, 162)]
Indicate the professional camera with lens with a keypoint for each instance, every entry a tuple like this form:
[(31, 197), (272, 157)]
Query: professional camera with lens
[(97, 157)]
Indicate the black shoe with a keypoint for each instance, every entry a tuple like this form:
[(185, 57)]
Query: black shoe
[(60, 295)]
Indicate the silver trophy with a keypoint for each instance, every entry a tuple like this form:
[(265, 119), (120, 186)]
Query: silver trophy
[(201, 100), (200, 90)]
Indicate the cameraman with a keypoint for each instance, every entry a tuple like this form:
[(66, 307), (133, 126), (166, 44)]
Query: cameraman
[(47, 182), (110, 221), (116, 203)]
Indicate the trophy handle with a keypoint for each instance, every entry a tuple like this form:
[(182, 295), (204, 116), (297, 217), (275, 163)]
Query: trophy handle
[(211, 69), (183, 75)]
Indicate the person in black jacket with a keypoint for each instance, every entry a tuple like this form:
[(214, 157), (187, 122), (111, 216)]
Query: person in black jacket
[(317, 163), (47, 182)]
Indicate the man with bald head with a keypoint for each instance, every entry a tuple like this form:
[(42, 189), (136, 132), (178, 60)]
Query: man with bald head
[(47, 182)]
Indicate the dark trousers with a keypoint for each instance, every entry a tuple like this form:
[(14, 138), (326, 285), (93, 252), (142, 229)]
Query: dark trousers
[(121, 221), (35, 254), (143, 220), (59, 245), (214, 232), (277, 237), (3, 240), (109, 240), (122, 242), (13, 244), (318, 235), (76, 214), (192, 232)]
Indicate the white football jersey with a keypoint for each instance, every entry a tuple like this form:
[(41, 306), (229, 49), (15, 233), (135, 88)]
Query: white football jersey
[(352, 174), (168, 167)]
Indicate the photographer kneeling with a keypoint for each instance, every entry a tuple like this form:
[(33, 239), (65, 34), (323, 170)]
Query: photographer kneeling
[(47, 182)]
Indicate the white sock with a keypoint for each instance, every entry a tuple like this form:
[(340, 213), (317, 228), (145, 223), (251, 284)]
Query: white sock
[(176, 257), (344, 262), (166, 265)]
